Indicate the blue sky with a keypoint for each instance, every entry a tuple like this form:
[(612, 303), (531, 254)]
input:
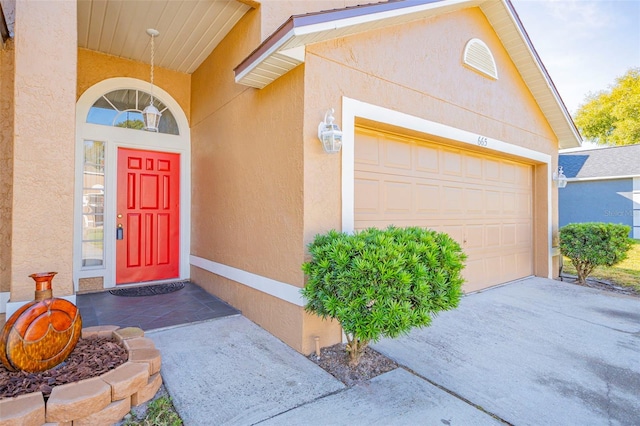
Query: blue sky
[(584, 44)]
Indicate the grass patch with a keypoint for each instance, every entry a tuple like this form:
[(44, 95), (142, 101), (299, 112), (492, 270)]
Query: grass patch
[(160, 412), (625, 274)]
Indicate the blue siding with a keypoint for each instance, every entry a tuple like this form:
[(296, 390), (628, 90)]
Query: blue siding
[(597, 201)]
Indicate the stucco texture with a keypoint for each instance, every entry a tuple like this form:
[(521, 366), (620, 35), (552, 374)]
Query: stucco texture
[(44, 145), (94, 67), (426, 79), (247, 176), (6, 161)]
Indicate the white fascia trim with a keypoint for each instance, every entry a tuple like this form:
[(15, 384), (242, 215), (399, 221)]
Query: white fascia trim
[(12, 307), (372, 17), (352, 109), (273, 49), (287, 292), (587, 179), (295, 52)]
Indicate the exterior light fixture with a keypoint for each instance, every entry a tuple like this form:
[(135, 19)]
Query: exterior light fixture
[(151, 115), (559, 178), (329, 133)]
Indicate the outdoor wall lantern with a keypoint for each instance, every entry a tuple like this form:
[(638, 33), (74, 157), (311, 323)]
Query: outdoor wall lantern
[(151, 115), (329, 133), (559, 178)]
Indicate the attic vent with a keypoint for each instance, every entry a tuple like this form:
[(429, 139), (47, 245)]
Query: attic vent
[(478, 56)]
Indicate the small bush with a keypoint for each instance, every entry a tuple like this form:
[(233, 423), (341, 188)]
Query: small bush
[(593, 244), (381, 283)]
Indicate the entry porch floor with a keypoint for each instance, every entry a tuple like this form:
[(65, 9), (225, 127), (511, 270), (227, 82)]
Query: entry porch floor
[(188, 305)]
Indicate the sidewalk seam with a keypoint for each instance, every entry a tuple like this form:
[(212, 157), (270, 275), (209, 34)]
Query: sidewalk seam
[(304, 403), (456, 395)]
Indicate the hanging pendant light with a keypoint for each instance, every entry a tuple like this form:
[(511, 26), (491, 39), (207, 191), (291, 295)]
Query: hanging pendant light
[(151, 115)]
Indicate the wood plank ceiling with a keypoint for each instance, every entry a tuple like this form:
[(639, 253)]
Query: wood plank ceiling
[(189, 30)]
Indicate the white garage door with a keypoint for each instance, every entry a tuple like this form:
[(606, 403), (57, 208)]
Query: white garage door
[(483, 201)]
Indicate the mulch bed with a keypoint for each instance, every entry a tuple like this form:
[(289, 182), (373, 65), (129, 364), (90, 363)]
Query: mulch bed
[(335, 361), (90, 358)]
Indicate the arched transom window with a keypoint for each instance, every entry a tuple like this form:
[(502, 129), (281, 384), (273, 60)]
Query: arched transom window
[(123, 108)]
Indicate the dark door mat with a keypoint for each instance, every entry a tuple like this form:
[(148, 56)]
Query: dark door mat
[(148, 290)]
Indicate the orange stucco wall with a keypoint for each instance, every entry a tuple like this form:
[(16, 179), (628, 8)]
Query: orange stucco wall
[(43, 145), (94, 67), (6, 161), (426, 79), (247, 195)]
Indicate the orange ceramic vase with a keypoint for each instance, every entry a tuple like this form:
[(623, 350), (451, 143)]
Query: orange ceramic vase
[(42, 333)]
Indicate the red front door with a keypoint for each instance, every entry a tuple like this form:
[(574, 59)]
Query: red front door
[(148, 244)]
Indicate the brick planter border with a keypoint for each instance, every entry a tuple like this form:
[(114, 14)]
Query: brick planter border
[(104, 399)]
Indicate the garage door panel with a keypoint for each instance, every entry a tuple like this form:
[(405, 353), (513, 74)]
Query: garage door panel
[(482, 201), (492, 235), (473, 167), (367, 199), (523, 204), (492, 202), (509, 207), (451, 163), (427, 160), (367, 150), (397, 197), (453, 200), (474, 236), (427, 199), (474, 272), (508, 173), (508, 233), (397, 155), (473, 201), (491, 170)]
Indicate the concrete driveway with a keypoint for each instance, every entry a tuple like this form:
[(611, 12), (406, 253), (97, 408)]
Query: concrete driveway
[(535, 352)]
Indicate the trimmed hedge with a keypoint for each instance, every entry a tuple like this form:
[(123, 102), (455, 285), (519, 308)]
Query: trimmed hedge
[(381, 283), (592, 244)]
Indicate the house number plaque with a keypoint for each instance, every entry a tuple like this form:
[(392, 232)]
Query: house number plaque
[(483, 141)]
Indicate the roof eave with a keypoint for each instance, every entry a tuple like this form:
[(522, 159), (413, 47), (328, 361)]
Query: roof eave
[(280, 53)]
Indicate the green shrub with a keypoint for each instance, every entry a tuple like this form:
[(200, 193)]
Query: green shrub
[(381, 283), (593, 244)]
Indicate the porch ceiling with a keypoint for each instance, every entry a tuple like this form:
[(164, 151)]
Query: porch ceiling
[(189, 30)]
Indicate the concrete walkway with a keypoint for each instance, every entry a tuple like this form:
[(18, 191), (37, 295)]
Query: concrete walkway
[(532, 352)]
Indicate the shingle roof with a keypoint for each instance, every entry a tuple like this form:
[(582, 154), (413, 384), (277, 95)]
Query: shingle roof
[(602, 162)]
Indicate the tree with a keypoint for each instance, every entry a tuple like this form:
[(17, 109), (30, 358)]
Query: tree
[(613, 117), (131, 124), (381, 283), (592, 244)]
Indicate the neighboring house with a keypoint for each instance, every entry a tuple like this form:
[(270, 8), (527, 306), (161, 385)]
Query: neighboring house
[(603, 185), (449, 121)]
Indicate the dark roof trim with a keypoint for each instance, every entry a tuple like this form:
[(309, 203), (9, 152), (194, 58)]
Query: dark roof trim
[(297, 21)]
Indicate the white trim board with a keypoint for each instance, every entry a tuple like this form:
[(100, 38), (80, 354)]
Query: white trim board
[(278, 289), (4, 298), (352, 109)]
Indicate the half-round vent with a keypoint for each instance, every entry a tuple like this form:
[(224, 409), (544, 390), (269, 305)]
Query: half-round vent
[(478, 56)]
